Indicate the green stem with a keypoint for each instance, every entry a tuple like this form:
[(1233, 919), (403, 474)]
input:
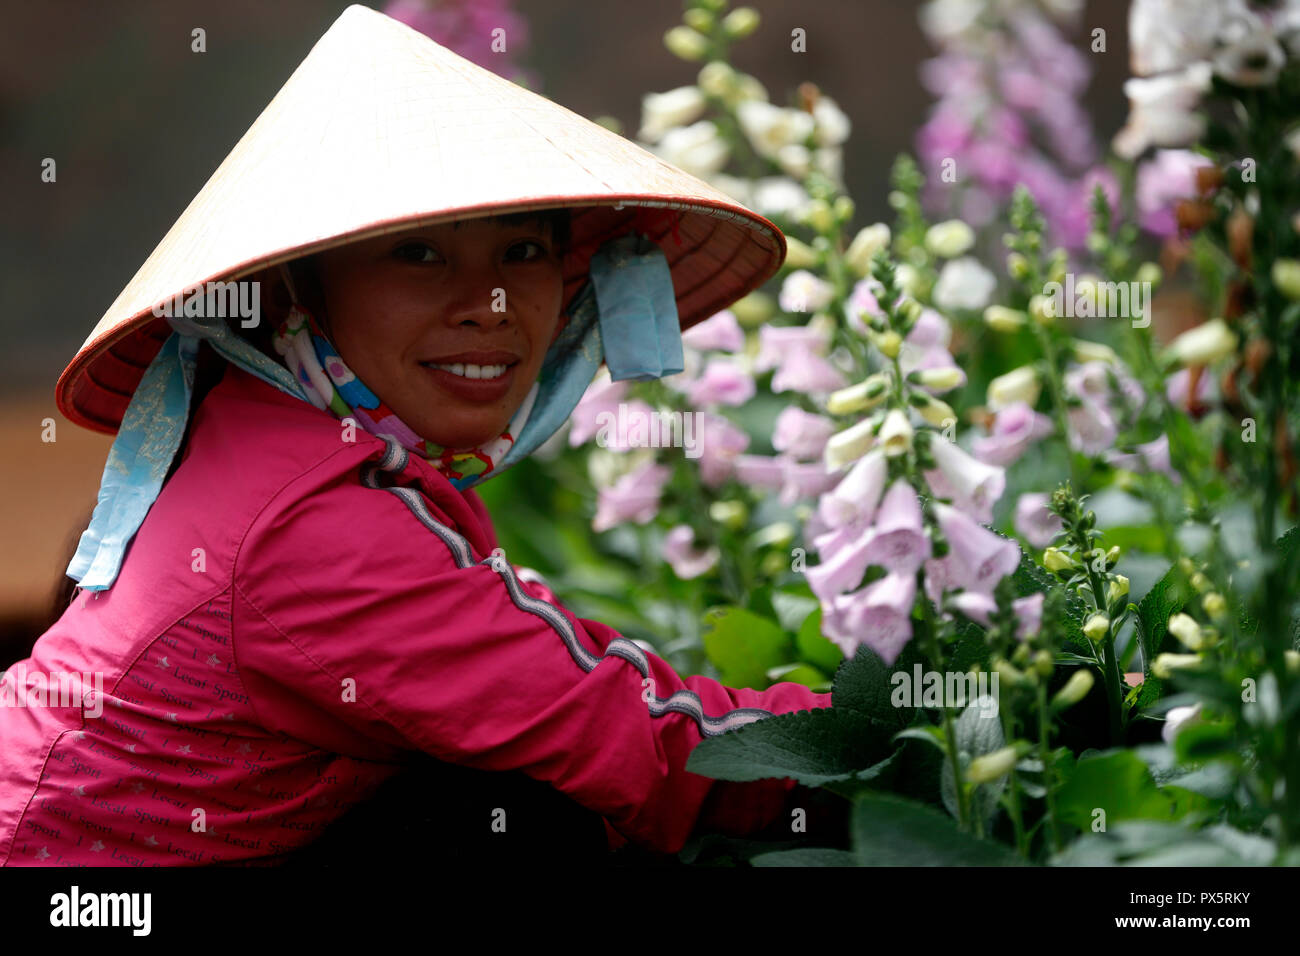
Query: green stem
[(1049, 796), (1014, 811)]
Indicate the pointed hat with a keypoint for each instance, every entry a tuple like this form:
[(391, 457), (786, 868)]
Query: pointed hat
[(380, 129)]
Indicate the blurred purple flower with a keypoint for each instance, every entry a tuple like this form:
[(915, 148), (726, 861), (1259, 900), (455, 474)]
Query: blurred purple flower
[(687, 562), (720, 444), (1034, 522), (601, 396), (1014, 429), (724, 382), (1168, 176), (977, 558), (801, 434), (466, 28), (720, 332), (900, 543), (879, 615), (633, 497)]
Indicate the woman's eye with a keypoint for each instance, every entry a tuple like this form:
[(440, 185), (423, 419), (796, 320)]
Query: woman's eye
[(415, 252), (541, 249)]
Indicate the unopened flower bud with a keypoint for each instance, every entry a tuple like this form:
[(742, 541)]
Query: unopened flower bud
[(1019, 385), (1150, 273), (1086, 351), (1017, 266), (754, 309), (889, 342), (940, 379), (1044, 663), (685, 43), (910, 310), (1201, 583), (896, 433), (1113, 554), (937, 413), (1214, 604), (1117, 588), (1075, 690), (1204, 344), (1292, 659), (1021, 655), (1056, 560), (1042, 310), (850, 444), (949, 239), (800, 255), (740, 22), (732, 514), (1165, 664), (1097, 627), (866, 394), (1188, 632), (698, 18), (1007, 674), (1286, 276), (991, 766), (820, 215), (999, 318), (777, 535), (869, 240)]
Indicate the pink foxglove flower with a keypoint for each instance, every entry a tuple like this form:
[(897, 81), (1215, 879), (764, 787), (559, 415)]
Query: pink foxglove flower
[(1177, 388), (863, 300), (1170, 175), (855, 498), (980, 607), (1092, 429), (804, 480), (720, 442), (687, 562), (1015, 428), (602, 395), (842, 567), (761, 471), (634, 497), (1152, 456), (801, 434), (724, 382), (807, 372), (977, 558), (900, 543), (720, 332), (1034, 522), (972, 485), (879, 615)]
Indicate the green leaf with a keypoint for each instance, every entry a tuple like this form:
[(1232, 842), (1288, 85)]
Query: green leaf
[(1166, 597), (890, 831), (797, 674), (743, 646), (808, 856), (814, 747), (864, 684), (977, 734), (814, 648), (1117, 782), (792, 610), (1154, 843)]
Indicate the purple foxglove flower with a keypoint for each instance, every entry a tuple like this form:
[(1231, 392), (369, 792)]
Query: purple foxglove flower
[(1029, 615), (1151, 456), (931, 331), (972, 485), (1034, 522), (879, 615), (843, 570), (720, 442), (761, 471), (974, 605), (1092, 429), (1168, 176), (855, 498), (807, 372), (627, 426), (977, 558), (900, 543), (775, 342), (634, 497), (863, 299), (1014, 429), (687, 562), (1177, 387), (804, 480), (801, 434), (723, 383), (602, 395), (720, 332)]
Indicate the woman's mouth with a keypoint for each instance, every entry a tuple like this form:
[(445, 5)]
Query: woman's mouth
[(475, 383)]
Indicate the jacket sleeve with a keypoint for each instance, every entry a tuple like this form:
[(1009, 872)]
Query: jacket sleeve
[(451, 654)]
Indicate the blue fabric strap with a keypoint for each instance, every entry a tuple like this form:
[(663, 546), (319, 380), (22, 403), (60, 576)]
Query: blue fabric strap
[(638, 309)]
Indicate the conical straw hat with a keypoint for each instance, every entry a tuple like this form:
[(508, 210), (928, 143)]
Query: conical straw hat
[(380, 129)]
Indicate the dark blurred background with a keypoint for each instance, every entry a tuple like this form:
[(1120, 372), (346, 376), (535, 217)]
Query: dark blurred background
[(137, 123)]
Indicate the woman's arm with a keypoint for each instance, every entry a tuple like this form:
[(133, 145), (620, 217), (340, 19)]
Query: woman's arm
[(354, 587)]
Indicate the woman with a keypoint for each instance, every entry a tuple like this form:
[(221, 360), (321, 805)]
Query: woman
[(289, 586)]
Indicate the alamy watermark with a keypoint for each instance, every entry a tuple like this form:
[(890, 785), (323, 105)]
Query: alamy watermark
[(221, 300), (634, 427), (922, 688), (1101, 300), (22, 687)]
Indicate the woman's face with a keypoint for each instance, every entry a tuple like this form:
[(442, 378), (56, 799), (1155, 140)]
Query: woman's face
[(481, 299)]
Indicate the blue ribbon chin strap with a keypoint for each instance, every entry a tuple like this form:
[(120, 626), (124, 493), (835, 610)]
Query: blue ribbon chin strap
[(626, 314)]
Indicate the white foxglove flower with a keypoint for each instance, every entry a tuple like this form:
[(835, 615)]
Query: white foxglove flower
[(780, 196), (770, 127), (660, 112), (833, 125), (698, 149), (794, 160), (949, 239), (895, 433), (1255, 59), (1162, 111), (850, 444), (1177, 719), (946, 20), (803, 291), (1167, 35), (964, 284), (1019, 385)]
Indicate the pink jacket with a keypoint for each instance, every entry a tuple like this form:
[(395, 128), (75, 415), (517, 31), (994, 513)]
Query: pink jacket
[(297, 612)]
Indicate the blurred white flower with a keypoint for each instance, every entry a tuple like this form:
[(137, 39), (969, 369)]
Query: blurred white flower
[(868, 241), (660, 112), (770, 127), (780, 196), (1169, 35), (794, 159), (802, 291), (945, 20), (833, 126), (1255, 58), (964, 284), (1162, 111), (698, 149)]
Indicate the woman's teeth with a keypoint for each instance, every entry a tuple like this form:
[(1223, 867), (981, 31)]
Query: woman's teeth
[(471, 371)]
